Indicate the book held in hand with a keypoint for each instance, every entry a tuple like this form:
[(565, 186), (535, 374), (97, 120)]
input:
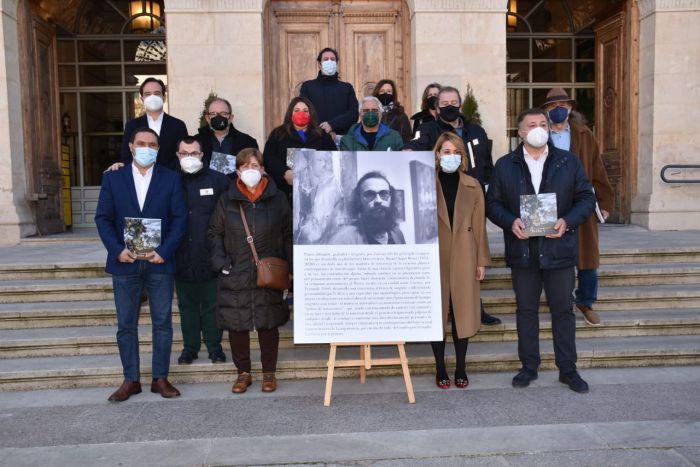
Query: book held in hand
[(141, 235), (539, 214), (224, 163)]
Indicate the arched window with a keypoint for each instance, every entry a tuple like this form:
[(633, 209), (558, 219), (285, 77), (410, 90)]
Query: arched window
[(113, 46), (550, 43)]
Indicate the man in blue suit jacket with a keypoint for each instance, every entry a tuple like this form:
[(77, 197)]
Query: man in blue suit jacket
[(142, 189), (169, 129)]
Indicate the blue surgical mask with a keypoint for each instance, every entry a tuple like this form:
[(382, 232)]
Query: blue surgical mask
[(558, 114), (329, 67), (449, 163), (145, 156)]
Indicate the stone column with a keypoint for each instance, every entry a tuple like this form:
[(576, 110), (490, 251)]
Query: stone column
[(16, 220), (455, 42), (216, 45), (669, 112)]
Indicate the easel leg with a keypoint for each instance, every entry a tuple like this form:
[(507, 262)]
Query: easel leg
[(406, 374), (329, 377), (363, 357)]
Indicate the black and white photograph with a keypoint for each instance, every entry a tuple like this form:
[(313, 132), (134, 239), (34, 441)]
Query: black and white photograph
[(221, 162), (364, 198), (141, 235), (539, 213)]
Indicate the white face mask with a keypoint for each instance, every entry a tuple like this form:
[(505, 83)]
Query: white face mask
[(250, 177), (329, 67), (537, 137), (153, 103), (449, 163), (191, 164)]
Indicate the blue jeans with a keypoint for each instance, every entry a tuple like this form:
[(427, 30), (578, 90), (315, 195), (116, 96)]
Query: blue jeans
[(587, 290), (127, 298)]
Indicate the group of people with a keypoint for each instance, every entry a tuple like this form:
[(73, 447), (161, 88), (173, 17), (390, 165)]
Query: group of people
[(205, 253)]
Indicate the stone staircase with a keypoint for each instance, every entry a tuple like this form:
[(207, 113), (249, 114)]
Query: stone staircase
[(57, 325)]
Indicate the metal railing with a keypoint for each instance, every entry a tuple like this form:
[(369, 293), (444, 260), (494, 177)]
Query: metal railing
[(679, 168)]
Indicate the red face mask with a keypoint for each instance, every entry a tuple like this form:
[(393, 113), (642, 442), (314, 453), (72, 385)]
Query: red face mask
[(300, 119)]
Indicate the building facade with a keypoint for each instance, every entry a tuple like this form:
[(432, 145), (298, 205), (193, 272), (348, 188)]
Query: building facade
[(70, 70)]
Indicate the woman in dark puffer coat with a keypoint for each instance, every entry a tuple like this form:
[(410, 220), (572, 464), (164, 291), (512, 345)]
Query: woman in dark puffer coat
[(241, 305)]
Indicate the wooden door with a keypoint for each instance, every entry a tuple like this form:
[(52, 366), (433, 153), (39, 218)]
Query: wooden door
[(371, 38), (40, 120), (616, 105)]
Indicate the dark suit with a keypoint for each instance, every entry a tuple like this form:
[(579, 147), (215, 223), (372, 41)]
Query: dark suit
[(164, 201), (171, 131)]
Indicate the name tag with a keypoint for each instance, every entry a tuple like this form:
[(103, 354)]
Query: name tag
[(206, 191), (475, 142)]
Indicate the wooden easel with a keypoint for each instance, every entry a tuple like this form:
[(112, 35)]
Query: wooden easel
[(365, 363)]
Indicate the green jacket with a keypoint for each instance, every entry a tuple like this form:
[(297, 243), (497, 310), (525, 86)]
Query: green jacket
[(387, 139)]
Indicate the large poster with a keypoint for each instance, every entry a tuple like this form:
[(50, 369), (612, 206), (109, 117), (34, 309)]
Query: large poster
[(366, 259)]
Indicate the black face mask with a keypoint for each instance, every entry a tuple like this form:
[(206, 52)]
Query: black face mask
[(432, 102), (219, 123), (449, 113), (386, 99)]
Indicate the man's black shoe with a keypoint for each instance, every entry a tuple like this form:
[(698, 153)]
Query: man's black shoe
[(574, 381), (217, 356), (523, 378), (489, 320), (187, 357)]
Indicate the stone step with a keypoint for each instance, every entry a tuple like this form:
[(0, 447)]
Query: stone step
[(616, 275), (56, 290), (611, 298), (52, 271), (311, 362), (101, 340)]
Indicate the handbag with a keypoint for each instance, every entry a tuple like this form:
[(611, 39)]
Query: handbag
[(273, 273)]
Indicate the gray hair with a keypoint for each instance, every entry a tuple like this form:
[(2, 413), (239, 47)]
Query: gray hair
[(371, 99)]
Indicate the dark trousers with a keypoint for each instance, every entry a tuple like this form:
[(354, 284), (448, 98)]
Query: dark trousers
[(197, 303), (558, 287), (269, 340)]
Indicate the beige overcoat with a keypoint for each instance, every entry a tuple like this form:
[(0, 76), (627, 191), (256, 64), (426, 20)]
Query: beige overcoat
[(584, 145), (462, 250)]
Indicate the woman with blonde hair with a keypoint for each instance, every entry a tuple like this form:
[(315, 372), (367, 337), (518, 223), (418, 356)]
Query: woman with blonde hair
[(464, 253)]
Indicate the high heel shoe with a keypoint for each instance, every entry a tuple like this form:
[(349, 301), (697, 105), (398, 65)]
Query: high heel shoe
[(462, 383), (442, 383)]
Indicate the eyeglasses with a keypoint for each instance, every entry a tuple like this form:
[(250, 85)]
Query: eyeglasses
[(189, 154), (371, 195), (219, 114)]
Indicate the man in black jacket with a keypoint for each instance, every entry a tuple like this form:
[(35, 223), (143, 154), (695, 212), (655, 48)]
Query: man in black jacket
[(449, 118), (221, 139), (535, 167), (169, 129), (194, 280), (334, 100)]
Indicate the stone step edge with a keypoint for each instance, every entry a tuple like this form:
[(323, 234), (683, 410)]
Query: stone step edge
[(101, 377)]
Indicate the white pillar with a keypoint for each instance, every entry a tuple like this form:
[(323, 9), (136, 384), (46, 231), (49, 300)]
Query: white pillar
[(669, 112), (216, 45), (455, 42), (16, 220)]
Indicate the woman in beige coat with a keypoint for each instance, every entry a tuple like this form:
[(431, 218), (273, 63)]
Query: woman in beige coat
[(464, 253)]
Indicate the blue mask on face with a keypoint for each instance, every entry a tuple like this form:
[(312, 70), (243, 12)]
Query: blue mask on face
[(145, 156), (329, 67), (449, 163), (558, 114)]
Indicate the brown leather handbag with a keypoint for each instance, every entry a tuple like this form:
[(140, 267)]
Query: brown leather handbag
[(273, 273)]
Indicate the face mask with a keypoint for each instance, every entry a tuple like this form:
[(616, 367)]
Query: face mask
[(386, 99), (449, 113), (449, 163), (250, 177), (370, 119), (537, 137), (301, 119), (191, 164), (153, 103), (432, 102), (558, 114), (219, 123), (145, 156), (329, 67)]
